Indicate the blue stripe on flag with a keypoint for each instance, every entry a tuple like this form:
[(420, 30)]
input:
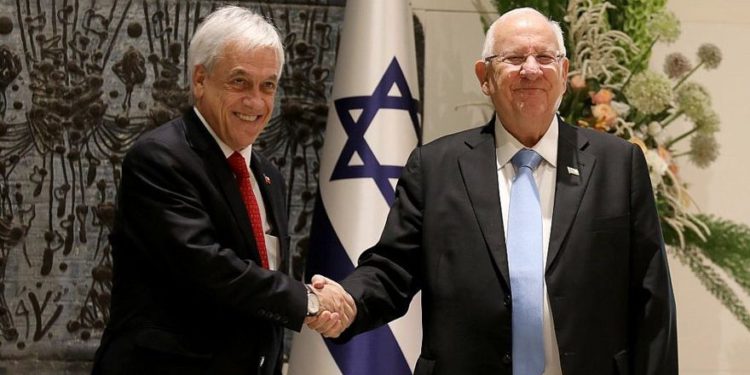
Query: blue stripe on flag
[(373, 353)]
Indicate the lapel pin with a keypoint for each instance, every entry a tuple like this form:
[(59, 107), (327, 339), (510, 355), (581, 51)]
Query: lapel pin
[(267, 180), (573, 171)]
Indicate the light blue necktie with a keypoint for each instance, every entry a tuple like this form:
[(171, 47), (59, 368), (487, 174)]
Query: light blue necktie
[(526, 265)]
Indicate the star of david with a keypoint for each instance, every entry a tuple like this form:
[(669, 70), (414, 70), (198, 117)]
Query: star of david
[(355, 130)]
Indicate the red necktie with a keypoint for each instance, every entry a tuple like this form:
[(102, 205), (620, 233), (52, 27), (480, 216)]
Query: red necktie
[(239, 167)]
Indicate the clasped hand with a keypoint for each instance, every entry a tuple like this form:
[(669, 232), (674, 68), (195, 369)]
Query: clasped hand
[(337, 308)]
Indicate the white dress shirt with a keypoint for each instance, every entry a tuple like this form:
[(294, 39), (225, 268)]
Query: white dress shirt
[(545, 176), (272, 242)]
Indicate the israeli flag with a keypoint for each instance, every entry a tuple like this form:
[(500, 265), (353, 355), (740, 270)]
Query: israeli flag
[(373, 125)]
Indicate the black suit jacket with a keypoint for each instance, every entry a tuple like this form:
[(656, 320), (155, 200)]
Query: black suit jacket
[(606, 273), (188, 293)]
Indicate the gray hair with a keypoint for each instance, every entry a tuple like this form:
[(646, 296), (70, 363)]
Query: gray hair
[(489, 41), (231, 24)]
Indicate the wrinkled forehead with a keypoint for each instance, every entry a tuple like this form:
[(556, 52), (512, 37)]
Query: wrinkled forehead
[(525, 34), (235, 53)]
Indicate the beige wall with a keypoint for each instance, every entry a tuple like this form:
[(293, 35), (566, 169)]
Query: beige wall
[(711, 341)]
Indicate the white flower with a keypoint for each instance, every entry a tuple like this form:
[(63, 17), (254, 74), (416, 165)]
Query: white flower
[(710, 55), (654, 128), (676, 65), (661, 138), (693, 99), (649, 92), (665, 26), (621, 108), (703, 149), (656, 166), (637, 133)]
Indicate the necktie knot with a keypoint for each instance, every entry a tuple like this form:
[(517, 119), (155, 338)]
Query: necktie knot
[(526, 158), (238, 165)]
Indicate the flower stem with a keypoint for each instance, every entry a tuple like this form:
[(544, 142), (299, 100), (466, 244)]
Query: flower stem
[(686, 153), (669, 120), (670, 143), (641, 119), (686, 76), (627, 81), (638, 65)]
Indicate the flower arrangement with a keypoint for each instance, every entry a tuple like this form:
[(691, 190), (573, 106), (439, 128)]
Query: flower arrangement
[(612, 89)]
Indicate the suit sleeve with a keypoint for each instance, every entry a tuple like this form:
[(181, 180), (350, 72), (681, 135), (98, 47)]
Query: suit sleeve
[(654, 338), (388, 275), (162, 209)]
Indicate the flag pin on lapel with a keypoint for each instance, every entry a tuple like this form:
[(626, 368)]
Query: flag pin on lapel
[(267, 180), (573, 171)]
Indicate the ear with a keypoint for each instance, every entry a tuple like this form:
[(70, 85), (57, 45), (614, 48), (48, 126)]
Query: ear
[(480, 69), (199, 80), (565, 67)]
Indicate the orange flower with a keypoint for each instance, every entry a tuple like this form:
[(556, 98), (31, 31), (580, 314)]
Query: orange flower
[(664, 153), (577, 82), (674, 168), (605, 116), (603, 96)]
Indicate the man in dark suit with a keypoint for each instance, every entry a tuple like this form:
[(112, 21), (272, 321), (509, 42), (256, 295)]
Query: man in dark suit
[(200, 241), (603, 303)]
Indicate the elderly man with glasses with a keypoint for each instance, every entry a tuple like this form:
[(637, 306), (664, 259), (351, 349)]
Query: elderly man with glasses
[(536, 244)]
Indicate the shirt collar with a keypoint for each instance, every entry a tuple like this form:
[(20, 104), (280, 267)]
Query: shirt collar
[(507, 145), (246, 152)]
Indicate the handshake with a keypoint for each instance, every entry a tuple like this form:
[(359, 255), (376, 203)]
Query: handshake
[(337, 309)]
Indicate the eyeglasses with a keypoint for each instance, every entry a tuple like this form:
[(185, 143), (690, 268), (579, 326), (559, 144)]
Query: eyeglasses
[(544, 59)]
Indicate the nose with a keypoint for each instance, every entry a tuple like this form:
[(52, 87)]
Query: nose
[(252, 99), (530, 69)]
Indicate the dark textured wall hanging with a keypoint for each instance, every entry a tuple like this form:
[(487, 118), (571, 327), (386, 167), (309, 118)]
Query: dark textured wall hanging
[(80, 80)]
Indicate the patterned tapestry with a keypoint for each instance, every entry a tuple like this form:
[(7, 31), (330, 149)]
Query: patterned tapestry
[(80, 80)]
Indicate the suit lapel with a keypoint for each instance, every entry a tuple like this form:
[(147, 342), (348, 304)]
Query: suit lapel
[(570, 185), (476, 165), (218, 170)]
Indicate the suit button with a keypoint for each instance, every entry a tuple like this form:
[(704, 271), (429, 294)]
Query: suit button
[(507, 359)]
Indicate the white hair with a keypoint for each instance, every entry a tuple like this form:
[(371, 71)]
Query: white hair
[(489, 41), (231, 24)]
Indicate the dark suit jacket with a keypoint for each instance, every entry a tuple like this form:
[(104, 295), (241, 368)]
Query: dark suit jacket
[(188, 295), (606, 272)]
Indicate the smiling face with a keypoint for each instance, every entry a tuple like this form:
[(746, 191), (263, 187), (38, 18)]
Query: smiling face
[(528, 93), (236, 97)]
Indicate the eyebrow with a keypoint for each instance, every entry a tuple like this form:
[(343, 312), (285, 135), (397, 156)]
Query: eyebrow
[(238, 72), (510, 52), (242, 72)]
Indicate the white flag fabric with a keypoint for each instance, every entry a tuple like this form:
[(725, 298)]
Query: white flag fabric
[(373, 125)]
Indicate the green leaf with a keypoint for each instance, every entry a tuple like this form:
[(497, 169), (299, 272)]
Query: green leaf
[(728, 247)]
